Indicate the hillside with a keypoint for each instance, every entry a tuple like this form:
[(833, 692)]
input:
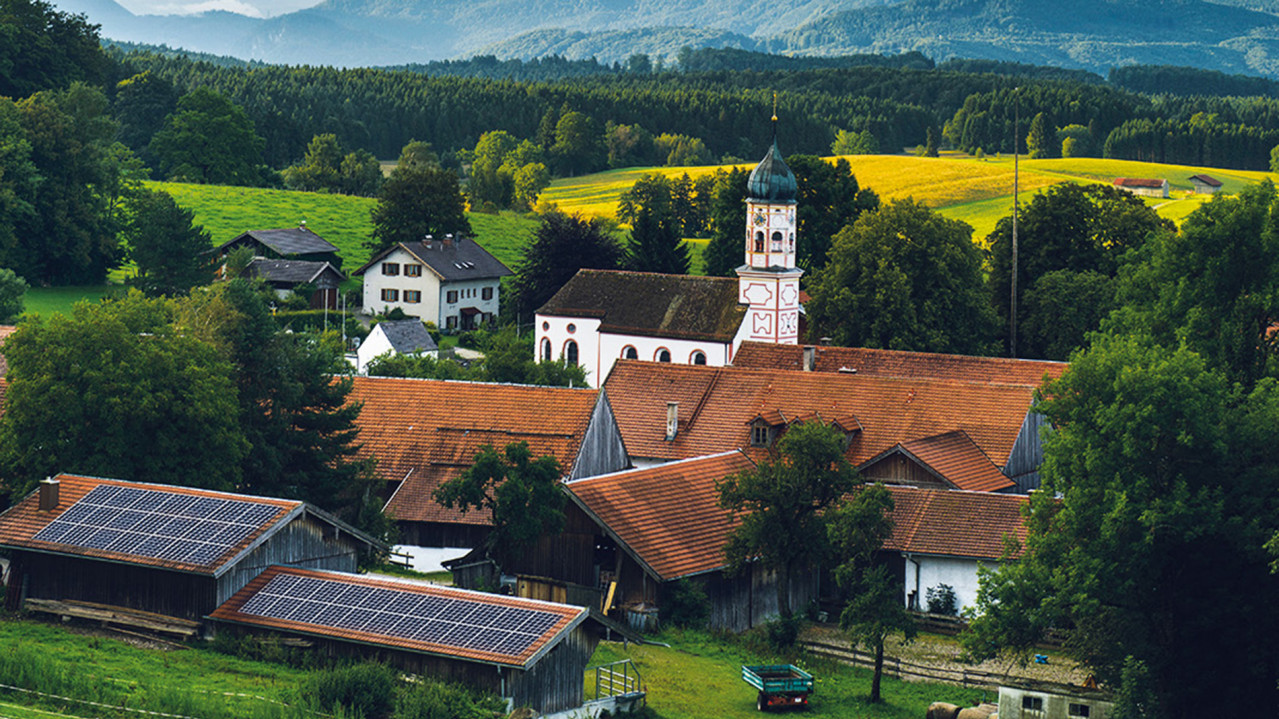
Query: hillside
[(1227, 35), (964, 188)]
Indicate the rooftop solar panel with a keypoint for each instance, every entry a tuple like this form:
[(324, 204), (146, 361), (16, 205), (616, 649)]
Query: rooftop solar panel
[(157, 524), (447, 621)]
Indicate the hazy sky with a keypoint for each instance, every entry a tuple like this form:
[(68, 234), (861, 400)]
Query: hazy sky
[(255, 8)]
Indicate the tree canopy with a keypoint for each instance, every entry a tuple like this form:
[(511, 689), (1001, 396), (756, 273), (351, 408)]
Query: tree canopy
[(45, 49), (208, 139), (166, 245), (562, 245), (903, 277), (418, 199)]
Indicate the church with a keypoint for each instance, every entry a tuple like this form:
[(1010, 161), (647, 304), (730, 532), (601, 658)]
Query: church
[(601, 316)]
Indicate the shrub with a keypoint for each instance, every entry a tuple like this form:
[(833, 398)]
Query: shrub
[(685, 604), (941, 599), (363, 688), (782, 633), (436, 700)]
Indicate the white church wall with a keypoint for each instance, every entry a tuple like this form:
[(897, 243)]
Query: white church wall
[(559, 331)]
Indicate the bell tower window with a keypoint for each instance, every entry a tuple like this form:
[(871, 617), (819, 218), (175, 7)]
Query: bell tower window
[(777, 242), (759, 241)]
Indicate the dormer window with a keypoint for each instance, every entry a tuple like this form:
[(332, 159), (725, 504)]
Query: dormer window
[(761, 435)]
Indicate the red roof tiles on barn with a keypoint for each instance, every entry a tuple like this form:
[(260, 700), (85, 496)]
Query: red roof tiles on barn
[(957, 460), (895, 363), (954, 523), (668, 516), (426, 432)]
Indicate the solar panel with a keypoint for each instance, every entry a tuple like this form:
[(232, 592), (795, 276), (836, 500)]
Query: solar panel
[(401, 614), (157, 524)]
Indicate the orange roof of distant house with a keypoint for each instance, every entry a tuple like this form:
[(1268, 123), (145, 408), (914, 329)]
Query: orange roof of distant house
[(668, 516), (426, 432), (563, 618), (20, 524), (955, 523), (895, 363), (717, 405), (1153, 182)]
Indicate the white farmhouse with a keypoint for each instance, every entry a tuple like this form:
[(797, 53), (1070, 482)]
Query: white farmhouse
[(452, 282), (601, 316)]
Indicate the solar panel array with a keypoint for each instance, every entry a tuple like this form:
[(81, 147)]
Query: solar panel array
[(435, 619), (185, 528)]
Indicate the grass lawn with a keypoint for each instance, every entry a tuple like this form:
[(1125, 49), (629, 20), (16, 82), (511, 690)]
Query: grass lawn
[(700, 676), (54, 300)]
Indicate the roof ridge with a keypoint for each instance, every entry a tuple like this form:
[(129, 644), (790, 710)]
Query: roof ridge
[(672, 463)]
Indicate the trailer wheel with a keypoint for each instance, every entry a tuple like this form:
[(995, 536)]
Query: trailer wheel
[(761, 702)]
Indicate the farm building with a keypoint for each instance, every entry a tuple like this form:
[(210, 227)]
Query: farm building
[(919, 430), (1043, 700), (1205, 184), (532, 653), (174, 551), (896, 363), (1146, 187), (395, 337), (321, 279), (290, 243), (661, 524), (939, 537), (426, 432)]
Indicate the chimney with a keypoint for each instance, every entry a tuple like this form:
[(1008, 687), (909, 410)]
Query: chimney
[(824, 342), (810, 358), (448, 240), (49, 494), (302, 225), (672, 420)]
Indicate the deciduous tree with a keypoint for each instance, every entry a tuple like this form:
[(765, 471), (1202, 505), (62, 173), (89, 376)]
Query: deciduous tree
[(562, 245), (727, 213), (903, 277), (44, 49), (418, 199), (829, 200)]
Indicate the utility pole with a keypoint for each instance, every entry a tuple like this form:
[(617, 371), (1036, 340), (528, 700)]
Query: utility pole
[(1012, 310)]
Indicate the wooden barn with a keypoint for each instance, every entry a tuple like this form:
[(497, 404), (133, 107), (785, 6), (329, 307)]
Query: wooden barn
[(532, 653), (174, 551), (631, 534), (426, 432)]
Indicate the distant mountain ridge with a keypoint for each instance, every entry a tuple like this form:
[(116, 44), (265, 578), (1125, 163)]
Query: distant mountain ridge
[(1235, 36)]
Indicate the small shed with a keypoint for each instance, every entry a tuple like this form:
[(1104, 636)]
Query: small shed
[(285, 276), (1051, 700), (532, 653), (1205, 184), (397, 337), (290, 243), (174, 551), (1146, 187)]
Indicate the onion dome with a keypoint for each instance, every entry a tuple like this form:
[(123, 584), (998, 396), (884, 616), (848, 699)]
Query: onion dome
[(772, 180)]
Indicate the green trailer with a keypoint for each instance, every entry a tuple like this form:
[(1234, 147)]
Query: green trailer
[(780, 685)]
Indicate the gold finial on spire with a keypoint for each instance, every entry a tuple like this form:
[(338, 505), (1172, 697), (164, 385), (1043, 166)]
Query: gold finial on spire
[(774, 107)]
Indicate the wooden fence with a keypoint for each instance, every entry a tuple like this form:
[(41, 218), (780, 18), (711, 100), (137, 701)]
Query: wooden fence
[(896, 667)]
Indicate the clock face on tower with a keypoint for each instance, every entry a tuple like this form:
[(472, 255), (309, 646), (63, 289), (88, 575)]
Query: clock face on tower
[(759, 218)]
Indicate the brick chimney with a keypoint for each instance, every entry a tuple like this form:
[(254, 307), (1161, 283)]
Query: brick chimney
[(49, 494)]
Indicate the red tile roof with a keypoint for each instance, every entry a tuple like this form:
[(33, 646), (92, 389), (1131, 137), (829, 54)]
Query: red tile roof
[(426, 432), (569, 616), (716, 405), (1139, 182), (1207, 180), (894, 363), (955, 457), (955, 523), (21, 522), (668, 516)]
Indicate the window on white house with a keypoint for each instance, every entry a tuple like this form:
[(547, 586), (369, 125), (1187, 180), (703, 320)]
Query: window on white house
[(390, 268), (630, 353), (451, 297), (390, 295), (412, 270), (486, 293), (699, 357), (1077, 710), (546, 350), (413, 296)]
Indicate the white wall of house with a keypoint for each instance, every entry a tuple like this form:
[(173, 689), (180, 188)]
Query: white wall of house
[(376, 345), (453, 297), (427, 285), (924, 571), (597, 351)]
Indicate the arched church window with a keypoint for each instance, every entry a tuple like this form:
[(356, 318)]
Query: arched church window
[(777, 242), (546, 350), (699, 357), (759, 241), (630, 353), (570, 352), (663, 355)]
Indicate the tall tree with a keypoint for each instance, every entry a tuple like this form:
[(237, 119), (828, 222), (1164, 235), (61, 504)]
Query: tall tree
[(208, 139), (418, 199), (114, 390), (579, 144), (782, 503), (857, 529), (562, 245), (1147, 541), (727, 216), (829, 200), (656, 243), (521, 493), (166, 245), (141, 104), (903, 277), (1067, 228), (1041, 141), (45, 49), (320, 168), (13, 290)]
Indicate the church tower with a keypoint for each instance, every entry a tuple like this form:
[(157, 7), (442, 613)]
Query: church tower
[(769, 281)]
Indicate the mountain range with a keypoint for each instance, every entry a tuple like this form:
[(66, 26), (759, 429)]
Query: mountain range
[(1235, 36)]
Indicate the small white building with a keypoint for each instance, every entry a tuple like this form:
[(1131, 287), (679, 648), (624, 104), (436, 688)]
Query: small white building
[(1044, 700), (601, 316), (453, 282), (396, 337)]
